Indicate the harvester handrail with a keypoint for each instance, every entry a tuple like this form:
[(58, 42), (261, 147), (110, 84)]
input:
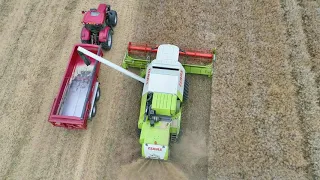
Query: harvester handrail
[(134, 52), (146, 48)]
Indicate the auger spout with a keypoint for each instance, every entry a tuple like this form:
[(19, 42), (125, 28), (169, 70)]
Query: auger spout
[(110, 64)]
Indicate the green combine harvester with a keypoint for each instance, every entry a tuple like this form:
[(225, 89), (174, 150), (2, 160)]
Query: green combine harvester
[(162, 70)]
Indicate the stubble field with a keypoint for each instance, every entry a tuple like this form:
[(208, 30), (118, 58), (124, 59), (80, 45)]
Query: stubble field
[(256, 118)]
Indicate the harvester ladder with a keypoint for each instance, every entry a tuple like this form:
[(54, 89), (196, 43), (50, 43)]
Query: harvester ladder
[(173, 137)]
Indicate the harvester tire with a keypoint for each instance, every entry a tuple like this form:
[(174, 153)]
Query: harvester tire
[(108, 44), (138, 132), (180, 135), (113, 18), (98, 94)]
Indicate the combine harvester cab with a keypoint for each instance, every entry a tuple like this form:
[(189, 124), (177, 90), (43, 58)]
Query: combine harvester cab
[(165, 90), (79, 91)]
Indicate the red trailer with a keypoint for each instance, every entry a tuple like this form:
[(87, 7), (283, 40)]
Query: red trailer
[(79, 91)]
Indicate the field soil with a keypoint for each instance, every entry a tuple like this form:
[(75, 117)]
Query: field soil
[(256, 118)]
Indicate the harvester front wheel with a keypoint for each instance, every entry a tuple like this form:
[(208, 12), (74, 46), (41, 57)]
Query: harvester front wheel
[(112, 18), (108, 44)]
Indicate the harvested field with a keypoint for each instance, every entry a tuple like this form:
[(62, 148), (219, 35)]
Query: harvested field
[(262, 121), (264, 112)]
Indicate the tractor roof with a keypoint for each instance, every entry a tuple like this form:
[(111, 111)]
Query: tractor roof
[(93, 17)]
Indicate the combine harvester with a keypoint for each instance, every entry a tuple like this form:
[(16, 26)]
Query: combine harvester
[(164, 92)]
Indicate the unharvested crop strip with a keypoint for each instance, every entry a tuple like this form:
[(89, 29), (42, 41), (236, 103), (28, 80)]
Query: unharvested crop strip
[(307, 106), (310, 11)]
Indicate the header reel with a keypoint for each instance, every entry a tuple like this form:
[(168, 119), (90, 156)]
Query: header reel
[(193, 61)]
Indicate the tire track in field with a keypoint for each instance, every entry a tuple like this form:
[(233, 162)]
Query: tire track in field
[(301, 63), (255, 132), (113, 142), (58, 19), (310, 12), (10, 45), (5, 10), (186, 24), (37, 81), (10, 108)]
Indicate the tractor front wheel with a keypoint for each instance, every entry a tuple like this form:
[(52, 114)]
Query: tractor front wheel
[(108, 44), (112, 18)]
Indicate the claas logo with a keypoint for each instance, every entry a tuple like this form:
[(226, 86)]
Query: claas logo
[(148, 75), (154, 148), (180, 80)]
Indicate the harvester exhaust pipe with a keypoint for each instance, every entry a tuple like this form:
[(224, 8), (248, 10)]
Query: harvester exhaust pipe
[(108, 63)]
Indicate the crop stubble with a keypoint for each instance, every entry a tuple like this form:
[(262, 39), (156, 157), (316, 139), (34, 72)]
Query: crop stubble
[(264, 100), (256, 125)]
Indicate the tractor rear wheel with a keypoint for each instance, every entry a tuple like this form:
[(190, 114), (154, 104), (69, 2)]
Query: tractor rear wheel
[(108, 44), (112, 18)]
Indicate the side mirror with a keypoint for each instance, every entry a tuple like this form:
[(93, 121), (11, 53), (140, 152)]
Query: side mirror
[(83, 12)]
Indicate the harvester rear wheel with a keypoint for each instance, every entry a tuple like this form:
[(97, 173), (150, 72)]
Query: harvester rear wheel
[(138, 132), (112, 18), (108, 44), (179, 135)]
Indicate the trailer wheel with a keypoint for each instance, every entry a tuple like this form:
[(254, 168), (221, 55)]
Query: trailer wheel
[(112, 18), (97, 94), (108, 44), (94, 111)]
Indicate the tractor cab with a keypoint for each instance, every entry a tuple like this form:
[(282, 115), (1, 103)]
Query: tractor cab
[(94, 20)]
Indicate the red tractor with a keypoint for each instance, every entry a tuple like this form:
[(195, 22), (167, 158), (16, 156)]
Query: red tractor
[(98, 26)]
